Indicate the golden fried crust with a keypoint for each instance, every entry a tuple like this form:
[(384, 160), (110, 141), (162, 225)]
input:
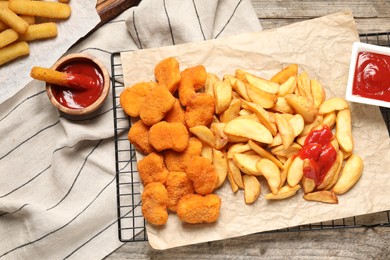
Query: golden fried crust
[(178, 161), (176, 114), (203, 175), (155, 105), (195, 209), (167, 73), (131, 97), (152, 169), (154, 203), (164, 135), (200, 110), (139, 137), (192, 79), (178, 184)]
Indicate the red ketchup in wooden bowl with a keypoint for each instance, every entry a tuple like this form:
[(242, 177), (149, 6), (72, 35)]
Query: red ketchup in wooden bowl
[(369, 75), (84, 70)]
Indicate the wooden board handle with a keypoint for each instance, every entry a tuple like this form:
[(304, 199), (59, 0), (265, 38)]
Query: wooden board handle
[(109, 9)]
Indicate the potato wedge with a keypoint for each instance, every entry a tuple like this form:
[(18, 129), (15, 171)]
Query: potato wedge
[(304, 87), (235, 173), (303, 106), (222, 96), (297, 124), (238, 148), (317, 92), (333, 170), (344, 130), (262, 115), (308, 184), (284, 193), (285, 129), (350, 174), (282, 106), (332, 104), (207, 152), (293, 149), (295, 172), (233, 184), (231, 112), (247, 163), (264, 153), (263, 84), (322, 196), (283, 75), (252, 188), (221, 138), (220, 166), (240, 87), (261, 97), (284, 171), (204, 134), (288, 87), (249, 129), (329, 119), (271, 173), (209, 84)]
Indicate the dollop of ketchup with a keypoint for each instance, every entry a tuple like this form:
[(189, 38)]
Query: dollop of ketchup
[(320, 153), (372, 76), (76, 99)]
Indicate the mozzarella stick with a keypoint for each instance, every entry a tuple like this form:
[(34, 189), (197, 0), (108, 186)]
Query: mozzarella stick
[(39, 31), (8, 36), (41, 9), (13, 51), (13, 20), (74, 81)]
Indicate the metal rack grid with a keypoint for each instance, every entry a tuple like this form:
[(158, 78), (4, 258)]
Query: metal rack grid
[(131, 224)]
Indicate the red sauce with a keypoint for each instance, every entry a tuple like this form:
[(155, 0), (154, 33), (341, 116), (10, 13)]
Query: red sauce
[(372, 76), (320, 153), (76, 99)]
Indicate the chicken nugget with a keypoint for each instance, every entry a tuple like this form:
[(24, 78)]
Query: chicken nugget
[(192, 79), (178, 184), (203, 175), (195, 209), (176, 114), (131, 97), (154, 203), (139, 137), (200, 110), (152, 169), (167, 73), (164, 135), (178, 161), (155, 105)]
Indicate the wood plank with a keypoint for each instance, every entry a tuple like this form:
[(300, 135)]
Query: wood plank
[(313, 8), (108, 9), (364, 25)]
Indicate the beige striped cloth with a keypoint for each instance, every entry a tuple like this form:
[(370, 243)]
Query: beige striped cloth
[(57, 172)]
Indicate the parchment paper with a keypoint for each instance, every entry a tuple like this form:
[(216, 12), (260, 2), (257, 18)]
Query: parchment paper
[(322, 47), (16, 74)]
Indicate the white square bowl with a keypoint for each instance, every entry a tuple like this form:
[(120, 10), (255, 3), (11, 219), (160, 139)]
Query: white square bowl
[(356, 49)]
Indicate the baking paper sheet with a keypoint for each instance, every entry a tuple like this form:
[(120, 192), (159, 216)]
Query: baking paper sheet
[(322, 47), (16, 74)]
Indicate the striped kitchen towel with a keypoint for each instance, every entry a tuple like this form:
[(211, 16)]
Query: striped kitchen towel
[(57, 172)]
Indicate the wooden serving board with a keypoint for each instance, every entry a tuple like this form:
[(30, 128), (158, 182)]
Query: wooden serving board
[(108, 9)]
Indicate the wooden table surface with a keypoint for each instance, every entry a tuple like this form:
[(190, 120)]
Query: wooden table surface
[(345, 243)]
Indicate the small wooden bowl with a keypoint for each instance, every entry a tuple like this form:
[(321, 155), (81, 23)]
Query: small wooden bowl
[(80, 57)]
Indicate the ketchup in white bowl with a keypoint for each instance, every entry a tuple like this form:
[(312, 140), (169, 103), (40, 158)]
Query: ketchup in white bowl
[(369, 75)]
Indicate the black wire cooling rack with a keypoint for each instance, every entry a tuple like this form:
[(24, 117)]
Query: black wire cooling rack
[(131, 224)]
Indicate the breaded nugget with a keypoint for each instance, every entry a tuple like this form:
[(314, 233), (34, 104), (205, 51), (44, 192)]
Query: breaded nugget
[(132, 97), (192, 79), (155, 105), (200, 110), (167, 73), (178, 184), (195, 209), (178, 161), (203, 175), (154, 203), (176, 114), (152, 169), (139, 137), (164, 135)]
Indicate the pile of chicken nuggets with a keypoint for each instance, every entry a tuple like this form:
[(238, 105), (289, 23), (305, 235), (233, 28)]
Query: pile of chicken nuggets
[(176, 178)]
